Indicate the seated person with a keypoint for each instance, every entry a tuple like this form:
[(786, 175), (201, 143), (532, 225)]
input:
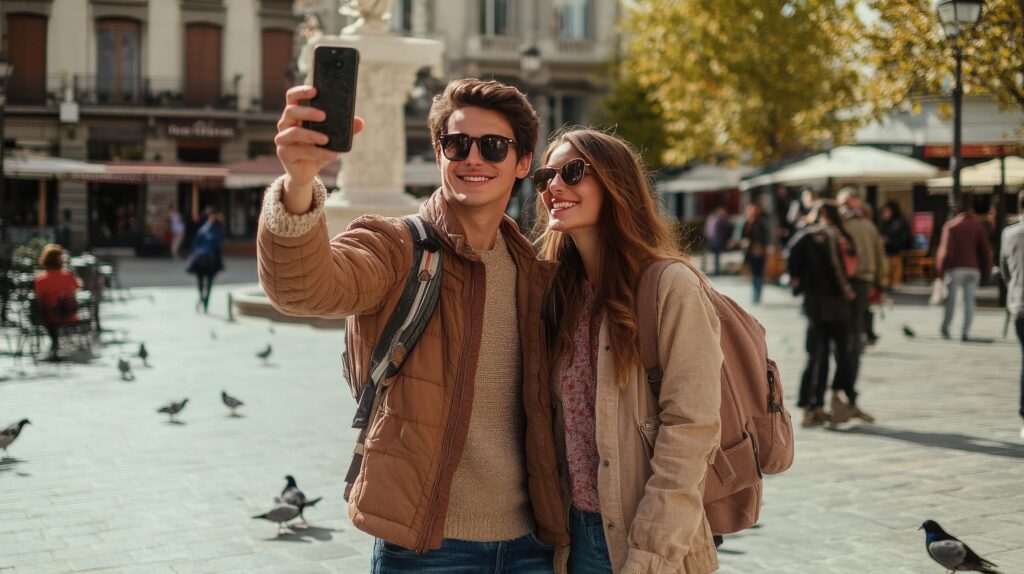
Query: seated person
[(55, 289)]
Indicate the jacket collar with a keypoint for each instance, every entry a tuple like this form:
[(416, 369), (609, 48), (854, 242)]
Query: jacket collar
[(450, 231)]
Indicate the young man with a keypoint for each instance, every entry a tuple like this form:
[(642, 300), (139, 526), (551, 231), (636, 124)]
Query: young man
[(1011, 261), (460, 466), (963, 260)]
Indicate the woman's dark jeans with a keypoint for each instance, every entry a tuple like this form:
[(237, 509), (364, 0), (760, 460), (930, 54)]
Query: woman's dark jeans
[(588, 550)]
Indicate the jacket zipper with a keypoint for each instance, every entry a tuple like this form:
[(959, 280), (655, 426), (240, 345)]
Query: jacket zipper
[(460, 383)]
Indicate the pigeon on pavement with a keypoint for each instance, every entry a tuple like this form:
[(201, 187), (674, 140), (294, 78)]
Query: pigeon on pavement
[(951, 553), (143, 354), (231, 402), (9, 434), (281, 513), (908, 332), (265, 353), (213, 335), (292, 495), (126, 370), (173, 408)]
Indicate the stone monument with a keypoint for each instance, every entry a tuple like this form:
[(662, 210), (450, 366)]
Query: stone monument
[(372, 177)]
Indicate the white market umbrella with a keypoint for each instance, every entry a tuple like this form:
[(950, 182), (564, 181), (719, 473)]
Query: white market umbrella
[(982, 177), (704, 178), (848, 164)]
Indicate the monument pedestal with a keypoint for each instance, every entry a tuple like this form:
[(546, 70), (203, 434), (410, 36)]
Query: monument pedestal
[(371, 179)]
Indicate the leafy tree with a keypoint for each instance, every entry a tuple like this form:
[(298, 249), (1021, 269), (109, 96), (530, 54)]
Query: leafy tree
[(632, 112), (912, 57), (747, 79)]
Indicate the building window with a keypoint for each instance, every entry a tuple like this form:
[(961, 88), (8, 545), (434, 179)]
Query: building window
[(402, 16), (497, 18), (118, 79), (573, 17), (26, 51), (202, 65), (277, 62)]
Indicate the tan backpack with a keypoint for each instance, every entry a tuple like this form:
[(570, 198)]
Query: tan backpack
[(757, 433)]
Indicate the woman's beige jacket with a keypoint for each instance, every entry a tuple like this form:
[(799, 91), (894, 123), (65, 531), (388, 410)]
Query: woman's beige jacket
[(654, 453)]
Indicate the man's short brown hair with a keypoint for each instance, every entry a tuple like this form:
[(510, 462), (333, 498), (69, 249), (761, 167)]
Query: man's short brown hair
[(489, 95)]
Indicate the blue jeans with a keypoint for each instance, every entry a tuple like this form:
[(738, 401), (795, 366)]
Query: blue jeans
[(966, 278), (1019, 325), (757, 274), (525, 555), (588, 550)]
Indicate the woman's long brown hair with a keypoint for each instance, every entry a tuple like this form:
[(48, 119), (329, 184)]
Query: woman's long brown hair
[(632, 230)]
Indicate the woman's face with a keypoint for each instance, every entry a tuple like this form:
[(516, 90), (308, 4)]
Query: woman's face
[(572, 208)]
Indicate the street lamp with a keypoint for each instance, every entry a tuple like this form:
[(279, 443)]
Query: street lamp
[(958, 17)]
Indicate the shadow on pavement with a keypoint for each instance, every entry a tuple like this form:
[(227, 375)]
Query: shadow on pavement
[(305, 534), (950, 441)]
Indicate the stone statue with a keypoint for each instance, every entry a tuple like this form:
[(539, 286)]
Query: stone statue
[(372, 16)]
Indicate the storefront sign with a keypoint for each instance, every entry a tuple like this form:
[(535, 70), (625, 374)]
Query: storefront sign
[(971, 150), (922, 226), (209, 129)]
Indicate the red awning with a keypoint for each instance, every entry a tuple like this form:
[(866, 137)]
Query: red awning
[(141, 172), (260, 171)]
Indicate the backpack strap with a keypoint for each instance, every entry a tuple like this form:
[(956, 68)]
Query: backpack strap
[(646, 301), (407, 322)]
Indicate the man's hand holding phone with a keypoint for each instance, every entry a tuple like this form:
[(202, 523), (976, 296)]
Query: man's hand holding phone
[(299, 150)]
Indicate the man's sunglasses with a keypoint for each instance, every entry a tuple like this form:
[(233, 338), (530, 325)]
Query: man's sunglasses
[(493, 148), (572, 174)]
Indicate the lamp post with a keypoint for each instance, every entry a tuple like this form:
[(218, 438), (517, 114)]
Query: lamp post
[(5, 71), (957, 17), (530, 64)]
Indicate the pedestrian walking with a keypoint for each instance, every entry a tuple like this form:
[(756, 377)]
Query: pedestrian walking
[(867, 277), (817, 271), (896, 234), (177, 229), (963, 260), (1011, 263), (755, 242), (471, 397), (635, 506), (207, 260), (717, 230)]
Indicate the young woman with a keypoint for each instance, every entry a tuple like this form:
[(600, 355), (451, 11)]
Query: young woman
[(756, 239), (206, 260), (633, 464)]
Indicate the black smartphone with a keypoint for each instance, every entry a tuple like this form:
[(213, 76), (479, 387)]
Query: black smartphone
[(335, 70)]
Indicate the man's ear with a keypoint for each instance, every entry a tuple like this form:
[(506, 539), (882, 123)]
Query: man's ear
[(523, 165), (437, 156)]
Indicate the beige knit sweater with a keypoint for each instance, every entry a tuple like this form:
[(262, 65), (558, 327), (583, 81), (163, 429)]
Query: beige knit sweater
[(489, 500)]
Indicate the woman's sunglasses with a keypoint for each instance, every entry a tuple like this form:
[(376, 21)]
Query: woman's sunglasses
[(493, 148), (572, 174)]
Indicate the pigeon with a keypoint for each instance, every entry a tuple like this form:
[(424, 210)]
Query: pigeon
[(173, 408), (952, 554), (231, 402), (908, 332), (9, 434), (213, 335), (143, 354), (281, 513), (265, 353), (126, 370), (292, 495)]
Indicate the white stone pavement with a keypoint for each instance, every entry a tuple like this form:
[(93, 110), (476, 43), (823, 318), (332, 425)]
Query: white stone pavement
[(102, 483)]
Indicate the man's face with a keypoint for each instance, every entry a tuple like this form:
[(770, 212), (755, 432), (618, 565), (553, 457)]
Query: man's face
[(475, 183)]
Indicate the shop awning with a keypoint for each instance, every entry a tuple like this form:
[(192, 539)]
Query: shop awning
[(19, 166), (704, 178), (847, 164), (983, 177), (142, 172), (259, 172)]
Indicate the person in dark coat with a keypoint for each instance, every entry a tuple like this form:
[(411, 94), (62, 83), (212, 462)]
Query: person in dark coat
[(755, 242), (817, 272), (207, 259), (897, 237)]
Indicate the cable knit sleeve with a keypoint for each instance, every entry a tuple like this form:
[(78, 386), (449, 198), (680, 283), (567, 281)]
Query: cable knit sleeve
[(304, 273)]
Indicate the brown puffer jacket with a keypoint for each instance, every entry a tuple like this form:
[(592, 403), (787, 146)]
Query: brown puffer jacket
[(414, 446)]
